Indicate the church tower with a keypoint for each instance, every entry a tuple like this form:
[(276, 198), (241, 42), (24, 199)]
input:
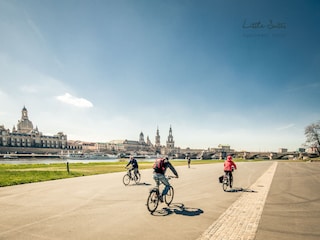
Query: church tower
[(149, 143), (157, 140), (141, 138), (170, 142)]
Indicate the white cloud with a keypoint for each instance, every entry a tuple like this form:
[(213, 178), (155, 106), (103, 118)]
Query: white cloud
[(72, 100)]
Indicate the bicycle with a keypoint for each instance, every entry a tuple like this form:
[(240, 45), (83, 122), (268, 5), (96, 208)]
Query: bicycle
[(226, 182), (155, 196), (131, 177)]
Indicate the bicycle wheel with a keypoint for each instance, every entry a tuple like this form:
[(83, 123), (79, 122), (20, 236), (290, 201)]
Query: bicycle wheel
[(224, 186), (153, 200), (169, 196), (126, 179), (137, 178)]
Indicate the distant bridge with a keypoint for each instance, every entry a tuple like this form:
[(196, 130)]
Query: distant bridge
[(245, 155)]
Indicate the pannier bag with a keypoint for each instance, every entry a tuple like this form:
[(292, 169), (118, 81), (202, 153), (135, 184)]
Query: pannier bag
[(221, 179)]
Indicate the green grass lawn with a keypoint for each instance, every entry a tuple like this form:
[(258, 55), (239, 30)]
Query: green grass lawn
[(13, 174)]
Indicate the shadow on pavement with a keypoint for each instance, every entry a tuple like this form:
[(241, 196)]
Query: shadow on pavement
[(138, 184), (240, 190), (179, 209)]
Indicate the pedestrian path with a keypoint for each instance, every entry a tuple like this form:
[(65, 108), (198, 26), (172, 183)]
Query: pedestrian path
[(240, 221)]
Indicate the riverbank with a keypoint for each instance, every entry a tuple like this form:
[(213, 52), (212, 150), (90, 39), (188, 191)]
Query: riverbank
[(14, 174), (22, 173)]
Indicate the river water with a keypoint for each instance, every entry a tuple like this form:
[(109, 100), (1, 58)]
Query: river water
[(61, 160), (52, 160)]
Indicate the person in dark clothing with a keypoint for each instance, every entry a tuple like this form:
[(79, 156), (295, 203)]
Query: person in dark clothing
[(134, 164)]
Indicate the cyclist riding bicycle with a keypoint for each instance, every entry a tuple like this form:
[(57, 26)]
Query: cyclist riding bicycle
[(135, 167), (229, 165), (160, 167)]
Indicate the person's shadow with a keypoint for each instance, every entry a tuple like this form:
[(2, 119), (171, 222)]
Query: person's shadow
[(138, 184), (179, 209), (240, 189)]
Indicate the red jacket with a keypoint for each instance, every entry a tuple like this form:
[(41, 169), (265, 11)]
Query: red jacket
[(228, 164)]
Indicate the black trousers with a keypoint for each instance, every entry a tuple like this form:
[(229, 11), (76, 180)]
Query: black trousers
[(229, 173)]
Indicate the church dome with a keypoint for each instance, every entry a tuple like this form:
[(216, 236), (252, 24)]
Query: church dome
[(24, 125)]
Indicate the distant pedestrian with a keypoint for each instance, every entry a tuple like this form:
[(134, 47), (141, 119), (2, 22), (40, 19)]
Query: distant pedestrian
[(189, 161)]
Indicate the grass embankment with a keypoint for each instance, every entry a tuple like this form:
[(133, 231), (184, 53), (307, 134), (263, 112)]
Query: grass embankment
[(14, 174)]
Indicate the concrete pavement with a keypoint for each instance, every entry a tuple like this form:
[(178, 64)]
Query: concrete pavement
[(241, 219), (100, 207), (292, 208)]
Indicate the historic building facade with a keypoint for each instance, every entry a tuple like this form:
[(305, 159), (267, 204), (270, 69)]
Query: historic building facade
[(26, 136), (144, 147), (131, 146)]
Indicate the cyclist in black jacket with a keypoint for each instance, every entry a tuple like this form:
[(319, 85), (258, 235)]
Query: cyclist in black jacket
[(135, 167)]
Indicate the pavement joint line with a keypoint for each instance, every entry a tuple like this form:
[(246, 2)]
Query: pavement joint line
[(241, 219)]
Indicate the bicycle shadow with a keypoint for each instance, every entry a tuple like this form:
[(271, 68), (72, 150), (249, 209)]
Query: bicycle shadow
[(240, 189), (138, 184), (179, 209)]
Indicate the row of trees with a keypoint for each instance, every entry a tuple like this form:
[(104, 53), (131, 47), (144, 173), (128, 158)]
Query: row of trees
[(312, 133)]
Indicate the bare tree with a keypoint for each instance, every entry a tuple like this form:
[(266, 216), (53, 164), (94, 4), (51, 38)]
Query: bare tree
[(312, 133)]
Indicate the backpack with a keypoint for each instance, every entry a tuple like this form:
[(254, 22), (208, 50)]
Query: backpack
[(158, 165)]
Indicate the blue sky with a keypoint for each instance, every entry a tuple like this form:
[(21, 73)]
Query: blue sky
[(243, 73)]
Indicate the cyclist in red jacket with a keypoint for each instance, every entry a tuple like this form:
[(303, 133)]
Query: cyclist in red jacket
[(229, 165)]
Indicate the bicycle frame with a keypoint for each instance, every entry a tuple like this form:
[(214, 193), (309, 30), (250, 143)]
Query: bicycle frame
[(226, 182), (131, 177), (159, 183), (154, 196), (226, 178), (129, 173)]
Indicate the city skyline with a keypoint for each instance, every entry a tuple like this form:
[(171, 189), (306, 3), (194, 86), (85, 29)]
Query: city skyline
[(25, 118), (240, 73), (157, 137)]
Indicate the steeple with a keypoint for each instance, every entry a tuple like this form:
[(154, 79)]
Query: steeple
[(170, 142), (148, 141), (157, 140), (141, 138), (24, 114)]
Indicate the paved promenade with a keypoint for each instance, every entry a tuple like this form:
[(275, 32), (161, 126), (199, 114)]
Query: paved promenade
[(243, 216), (275, 200), (292, 208)]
